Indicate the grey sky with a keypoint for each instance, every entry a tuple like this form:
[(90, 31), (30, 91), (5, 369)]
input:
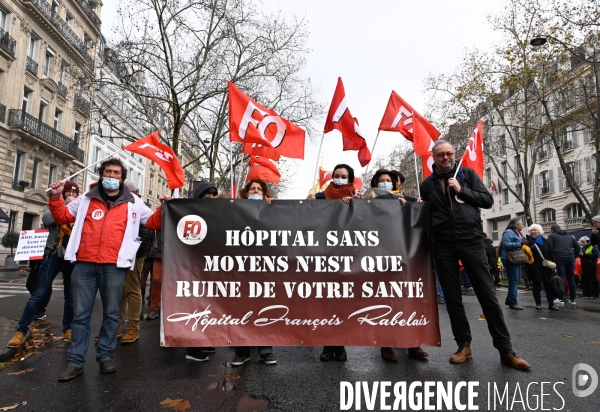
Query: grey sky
[(376, 47)]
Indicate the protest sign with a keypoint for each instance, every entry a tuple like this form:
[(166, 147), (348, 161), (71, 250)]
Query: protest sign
[(242, 272), (31, 244)]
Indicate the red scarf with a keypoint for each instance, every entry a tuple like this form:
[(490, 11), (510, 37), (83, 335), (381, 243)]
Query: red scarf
[(334, 191)]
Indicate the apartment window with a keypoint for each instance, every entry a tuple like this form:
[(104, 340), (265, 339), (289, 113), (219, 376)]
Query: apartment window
[(545, 150), (520, 189), (569, 139), (518, 170), (495, 235), (77, 133), (505, 195), (42, 111), (504, 169), (52, 174), (574, 170), (34, 45), (503, 143), (48, 61), (58, 119), (27, 100), (4, 19), (590, 169), (70, 20), (548, 216), (37, 166), (20, 163), (12, 221), (574, 210), (62, 74), (488, 177), (544, 183)]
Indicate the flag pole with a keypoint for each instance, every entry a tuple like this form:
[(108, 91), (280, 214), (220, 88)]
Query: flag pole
[(372, 151), (417, 173), (231, 164), (317, 167), (84, 169), (459, 163)]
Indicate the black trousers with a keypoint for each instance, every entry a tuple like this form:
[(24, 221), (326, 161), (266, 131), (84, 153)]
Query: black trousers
[(537, 292), (589, 284), (472, 255)]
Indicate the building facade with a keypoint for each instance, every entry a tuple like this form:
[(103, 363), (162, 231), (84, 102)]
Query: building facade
[(46, 77)]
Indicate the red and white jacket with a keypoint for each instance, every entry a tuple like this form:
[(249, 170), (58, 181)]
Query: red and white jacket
[(100, 234)]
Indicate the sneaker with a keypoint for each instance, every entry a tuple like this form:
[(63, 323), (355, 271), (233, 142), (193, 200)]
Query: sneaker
[(153, 314), (67, 335), (130, 336), (441, 301), (268, 359), (572, 302), (538, 307), (16, 340), (200, 357), (40, 315), (241, 356)]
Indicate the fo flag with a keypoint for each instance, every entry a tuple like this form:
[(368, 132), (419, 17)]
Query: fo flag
[(399, 116), (262, 168), (340, 118), (473, 155), (249, 122), (151, 148)]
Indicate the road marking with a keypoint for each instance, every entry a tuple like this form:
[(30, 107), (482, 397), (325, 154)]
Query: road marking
[(9, 290)]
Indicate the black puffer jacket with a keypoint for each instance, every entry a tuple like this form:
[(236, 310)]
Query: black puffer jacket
[(452, 220), (563, 244)]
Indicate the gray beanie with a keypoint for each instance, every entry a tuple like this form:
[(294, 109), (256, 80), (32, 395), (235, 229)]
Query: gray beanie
[(596, 218)]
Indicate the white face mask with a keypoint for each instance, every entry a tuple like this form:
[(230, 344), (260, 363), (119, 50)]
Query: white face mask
[(255, 197), (340, 181), (110, 183), (385, 185)]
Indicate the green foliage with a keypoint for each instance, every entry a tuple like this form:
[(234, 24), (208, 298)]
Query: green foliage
[(10, 240)]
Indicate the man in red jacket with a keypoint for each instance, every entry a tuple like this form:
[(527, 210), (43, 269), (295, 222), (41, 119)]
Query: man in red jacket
[(103, 246)]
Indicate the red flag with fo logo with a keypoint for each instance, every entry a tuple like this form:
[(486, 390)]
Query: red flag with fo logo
[(399, 117), (473, 155), (151, 148), (249, 122)]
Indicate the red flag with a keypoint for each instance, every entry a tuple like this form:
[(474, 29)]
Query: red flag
[(324, 177), (264, 170), (427, 161), (473, 155), (234, 191), (357, 183), (399, 117), (249, 122), (422, 140), (494, 188), (340, 118), (151, 148), (260, 150)]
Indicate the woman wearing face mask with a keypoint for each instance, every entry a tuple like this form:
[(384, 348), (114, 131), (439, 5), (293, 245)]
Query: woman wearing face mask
[(255, 189), (387, 184), (341, 187)]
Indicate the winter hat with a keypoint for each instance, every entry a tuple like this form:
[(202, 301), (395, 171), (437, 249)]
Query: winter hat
[(69, 185), (596, 218), (390, 173), (131, 186)]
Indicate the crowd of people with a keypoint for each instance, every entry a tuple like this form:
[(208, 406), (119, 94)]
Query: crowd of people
[(108, 240)]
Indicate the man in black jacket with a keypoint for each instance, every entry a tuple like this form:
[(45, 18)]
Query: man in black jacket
[(456, 233), (564, 249)]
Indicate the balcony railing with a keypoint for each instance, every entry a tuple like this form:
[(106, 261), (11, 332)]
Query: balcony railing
[(64, 29), (2, 113), (81, 103), (83, 4), (28, 123), (62, 90), (574, 221), (7, 43), (31, 65)]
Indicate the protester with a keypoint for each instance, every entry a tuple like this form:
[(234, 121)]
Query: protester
[(538, 273), (564, 249), (131, 303), (52, 263), (255, 189), (387, 184), (147, 268), (456, 232), (156, 279), (492, 258), (103, 245), (512, 240), (595, 231), (589, 260)]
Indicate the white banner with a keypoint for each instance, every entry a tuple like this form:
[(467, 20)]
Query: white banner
[(31, 244)]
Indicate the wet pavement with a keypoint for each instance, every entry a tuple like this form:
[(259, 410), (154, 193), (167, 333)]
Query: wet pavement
[(553, 342)]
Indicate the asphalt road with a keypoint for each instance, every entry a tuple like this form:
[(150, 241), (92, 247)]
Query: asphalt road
[(553, 342)]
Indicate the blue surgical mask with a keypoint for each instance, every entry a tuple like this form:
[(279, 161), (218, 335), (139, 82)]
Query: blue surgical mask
[(385, 185), (110, 183), (255, 197), (340, 181)]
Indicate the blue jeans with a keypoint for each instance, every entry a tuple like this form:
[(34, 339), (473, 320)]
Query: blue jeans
[(565, 267), (466, 282), (440, 292), (513, 273), (87, 279), (49, 268)]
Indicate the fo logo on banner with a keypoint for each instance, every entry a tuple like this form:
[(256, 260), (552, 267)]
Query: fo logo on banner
[(584, 379), (191, 229)]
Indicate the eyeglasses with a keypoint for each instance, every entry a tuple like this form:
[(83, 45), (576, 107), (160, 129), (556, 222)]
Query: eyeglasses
[(444, 154), (70, 191)]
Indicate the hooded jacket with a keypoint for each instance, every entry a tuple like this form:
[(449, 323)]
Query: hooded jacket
[(453, 219), (563, 244), (203, 187)]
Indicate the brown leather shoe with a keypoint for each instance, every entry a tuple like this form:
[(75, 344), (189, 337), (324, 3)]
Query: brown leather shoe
[(70, 373), (130, 336), (516, 307), (462, 354), (417, 353), (389, 355), (108, 366), (512, 360)]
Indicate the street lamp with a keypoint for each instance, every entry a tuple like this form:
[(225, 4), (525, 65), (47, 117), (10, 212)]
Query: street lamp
[(538, 41)]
